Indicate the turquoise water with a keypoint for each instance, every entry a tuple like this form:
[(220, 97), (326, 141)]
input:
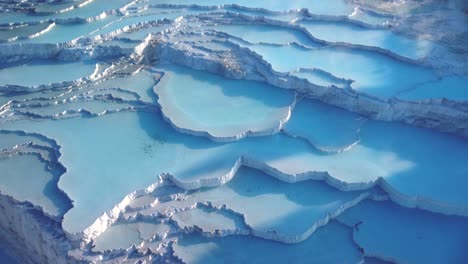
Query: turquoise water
[(141, 82), (117, 236), (34, 74), (335, 7), (92, 106), (372, 73), (206, 220), (331, 32), (425, 153), (405, 235), (33, 182), (321, 78), (202, 157), (298, 206), (197, 249), (58, 7), (22, 31), (8, 97), (152, 149), (93, 9), (266, 34), (10, 139), (90, 10), (8, 18), (125, 21), (143, 33), (451, 87), (67, 32), (200, 101), (385, 39), (326, 127)]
